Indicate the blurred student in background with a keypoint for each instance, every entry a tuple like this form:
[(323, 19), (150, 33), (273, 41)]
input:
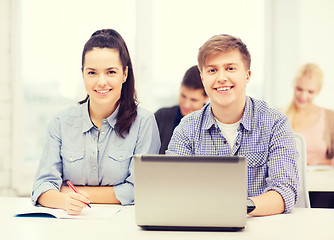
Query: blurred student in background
[(192, 97), (92, 144), (314, 123)]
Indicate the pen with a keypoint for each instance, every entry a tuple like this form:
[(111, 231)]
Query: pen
[(75, 190)]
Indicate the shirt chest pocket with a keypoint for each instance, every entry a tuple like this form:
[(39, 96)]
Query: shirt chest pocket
[(73, 164), (118, 163), (256, 157)]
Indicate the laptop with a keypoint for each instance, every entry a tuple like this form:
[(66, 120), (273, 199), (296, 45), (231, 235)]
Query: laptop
[(190, 192)]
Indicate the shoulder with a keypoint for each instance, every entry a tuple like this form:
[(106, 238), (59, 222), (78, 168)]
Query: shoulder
[(167, 111), (72, 111), (259, 116), (70, 115), (143, 113), (202, 118), (329, 113), (66, 120), (261, 109)]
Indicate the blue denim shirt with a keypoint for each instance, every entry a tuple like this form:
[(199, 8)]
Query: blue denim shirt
[(75, 151), (265, 137)]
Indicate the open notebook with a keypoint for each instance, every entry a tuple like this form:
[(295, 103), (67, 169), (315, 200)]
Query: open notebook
[(190, 192), (99, 211)]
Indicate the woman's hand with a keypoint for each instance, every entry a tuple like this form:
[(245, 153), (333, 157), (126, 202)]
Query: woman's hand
[(75, 202)]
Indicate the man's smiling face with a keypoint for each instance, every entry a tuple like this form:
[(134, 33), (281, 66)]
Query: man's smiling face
[(225, 77)]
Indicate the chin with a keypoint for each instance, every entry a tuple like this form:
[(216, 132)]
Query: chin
[(301, 106)]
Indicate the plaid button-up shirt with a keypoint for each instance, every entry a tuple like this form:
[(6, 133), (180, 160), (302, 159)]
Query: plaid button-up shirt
[(265, 137)]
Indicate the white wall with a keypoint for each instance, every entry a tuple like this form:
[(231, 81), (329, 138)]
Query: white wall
[(316, 36), (174, 31), (298, 31), (5, 96), (8, 71), (287, 34)]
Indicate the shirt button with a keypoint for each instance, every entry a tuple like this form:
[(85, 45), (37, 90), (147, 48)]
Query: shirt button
[(102, 133), (104, 121), (225, 142), (254, 164), (71, 158), (237, 144), (94, 167), (120, 158)]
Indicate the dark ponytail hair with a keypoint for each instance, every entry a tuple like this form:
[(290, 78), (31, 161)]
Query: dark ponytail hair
[(127, 113)]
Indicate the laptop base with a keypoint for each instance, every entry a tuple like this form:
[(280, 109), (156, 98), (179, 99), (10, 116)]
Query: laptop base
[(188, 228)]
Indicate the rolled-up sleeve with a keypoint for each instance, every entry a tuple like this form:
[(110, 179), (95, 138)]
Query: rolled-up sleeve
[(282, 164), (49, 173)]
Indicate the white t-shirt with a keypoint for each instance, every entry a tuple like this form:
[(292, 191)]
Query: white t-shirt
[(229, 131)]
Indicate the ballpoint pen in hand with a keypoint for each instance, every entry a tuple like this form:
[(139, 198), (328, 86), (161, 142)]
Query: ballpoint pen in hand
[(74, 189)]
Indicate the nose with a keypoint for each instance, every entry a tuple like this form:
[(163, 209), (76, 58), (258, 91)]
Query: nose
[(187, 104), (303, 95), (102, 81), (222, 76)]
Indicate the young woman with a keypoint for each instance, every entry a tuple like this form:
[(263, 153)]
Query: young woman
[(92, 144), (315, 123)]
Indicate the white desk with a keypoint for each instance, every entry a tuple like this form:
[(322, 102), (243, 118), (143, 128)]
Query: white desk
[(320, 178), (300, 224)]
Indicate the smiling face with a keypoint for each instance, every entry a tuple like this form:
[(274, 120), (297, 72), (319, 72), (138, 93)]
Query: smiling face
[(103, 76), (306, 89), (191, 100), (225, 78)]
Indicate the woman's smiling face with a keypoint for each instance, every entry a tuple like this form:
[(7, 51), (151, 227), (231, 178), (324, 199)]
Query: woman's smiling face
[(103, 76), (306, 89)]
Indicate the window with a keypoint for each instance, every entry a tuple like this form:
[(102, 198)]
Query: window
[(163, 38)]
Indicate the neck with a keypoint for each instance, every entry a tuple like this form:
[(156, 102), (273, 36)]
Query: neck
[(306, 110), (229, 114), (98, 112)]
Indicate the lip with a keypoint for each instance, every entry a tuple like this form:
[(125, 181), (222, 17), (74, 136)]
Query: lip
[(102, 92), (224, 89), (300, 101)]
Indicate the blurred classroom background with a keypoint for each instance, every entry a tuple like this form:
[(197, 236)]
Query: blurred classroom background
[(41, 42)]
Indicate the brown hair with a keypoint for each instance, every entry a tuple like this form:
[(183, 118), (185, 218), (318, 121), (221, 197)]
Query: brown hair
[(192, 79), (222, 43), (127, 112)]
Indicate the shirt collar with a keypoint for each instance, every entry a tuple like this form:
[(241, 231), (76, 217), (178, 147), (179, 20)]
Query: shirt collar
[(87, 123), (209, 121), (112, 119), (248, 115), (246, 120)]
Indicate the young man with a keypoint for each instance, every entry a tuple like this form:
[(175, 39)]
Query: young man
[(235, 124), (192, 97)]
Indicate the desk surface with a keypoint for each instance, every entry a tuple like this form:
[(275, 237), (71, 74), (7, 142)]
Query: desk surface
[(300, 224)]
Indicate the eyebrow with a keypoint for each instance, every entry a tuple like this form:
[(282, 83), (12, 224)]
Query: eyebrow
[(226, 64), (110, 68)]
